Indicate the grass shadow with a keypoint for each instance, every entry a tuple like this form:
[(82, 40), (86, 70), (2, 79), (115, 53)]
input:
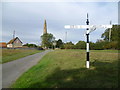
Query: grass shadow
[(100, 75)]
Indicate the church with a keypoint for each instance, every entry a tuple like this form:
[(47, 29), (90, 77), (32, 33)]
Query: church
[(44, 32), (45, 27)]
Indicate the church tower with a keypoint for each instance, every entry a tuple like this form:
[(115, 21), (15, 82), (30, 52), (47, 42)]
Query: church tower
[(45, 27)]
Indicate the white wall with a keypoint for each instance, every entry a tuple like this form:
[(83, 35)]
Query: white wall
[(9, 45)]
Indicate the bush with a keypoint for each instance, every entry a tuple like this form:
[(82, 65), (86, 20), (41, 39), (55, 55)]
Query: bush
[(80, 45), (111, 45)]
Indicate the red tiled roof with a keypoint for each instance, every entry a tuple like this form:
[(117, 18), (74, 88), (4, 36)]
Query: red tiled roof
[(3, 44)]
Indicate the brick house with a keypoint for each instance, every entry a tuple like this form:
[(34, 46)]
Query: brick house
[(3, 44)]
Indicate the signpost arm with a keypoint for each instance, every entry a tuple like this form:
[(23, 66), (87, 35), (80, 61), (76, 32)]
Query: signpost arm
[(87, 44)]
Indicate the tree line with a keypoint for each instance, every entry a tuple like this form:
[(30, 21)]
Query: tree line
[(48, 40)]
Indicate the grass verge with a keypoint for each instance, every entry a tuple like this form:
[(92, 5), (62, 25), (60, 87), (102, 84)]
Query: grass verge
[(10, 54), (66, 69)]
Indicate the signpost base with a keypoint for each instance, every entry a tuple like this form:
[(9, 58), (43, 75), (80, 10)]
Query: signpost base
[(87, 64)]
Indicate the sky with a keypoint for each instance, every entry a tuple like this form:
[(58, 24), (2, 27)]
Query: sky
[(27, 19)]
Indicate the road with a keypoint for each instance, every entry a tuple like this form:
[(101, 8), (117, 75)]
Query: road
[(12, 70)]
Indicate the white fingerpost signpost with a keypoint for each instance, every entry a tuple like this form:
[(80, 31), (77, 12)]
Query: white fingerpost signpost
[(87, 52), (89, 29)]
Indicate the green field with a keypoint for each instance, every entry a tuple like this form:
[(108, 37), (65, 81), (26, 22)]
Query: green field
[(66, 69), (13, 54)]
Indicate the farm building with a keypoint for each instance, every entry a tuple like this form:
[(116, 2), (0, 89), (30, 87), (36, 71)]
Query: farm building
[(3, 44), (14, 43)]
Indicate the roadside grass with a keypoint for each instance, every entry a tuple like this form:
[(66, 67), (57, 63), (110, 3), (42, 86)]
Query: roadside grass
[(0, 56), (66, 69), (82, 50), (13, 54)]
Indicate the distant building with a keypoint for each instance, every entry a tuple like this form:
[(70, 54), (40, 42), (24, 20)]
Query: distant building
[(45, 27), (14, 43), (3, 44)]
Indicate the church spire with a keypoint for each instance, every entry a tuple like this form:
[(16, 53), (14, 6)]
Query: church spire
[(45, 27)]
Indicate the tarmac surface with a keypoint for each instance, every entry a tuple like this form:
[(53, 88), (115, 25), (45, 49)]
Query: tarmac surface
[(12, 70)]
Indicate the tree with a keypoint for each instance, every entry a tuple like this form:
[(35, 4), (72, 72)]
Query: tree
[(114, 33), (80, 45), (59, 44), (115, 37), (26, 44), (47, 40), (100, 44), (30, 45), (92, 46), (68, 45), (111, 45)]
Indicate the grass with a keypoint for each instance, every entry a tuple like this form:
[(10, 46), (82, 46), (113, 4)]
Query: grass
[(66, 69), (13, 54)]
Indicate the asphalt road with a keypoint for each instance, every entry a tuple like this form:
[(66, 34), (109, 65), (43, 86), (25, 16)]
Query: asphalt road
[(12, 70)]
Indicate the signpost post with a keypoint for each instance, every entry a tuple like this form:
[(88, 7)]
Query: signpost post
[(87, 52), (89, 29)]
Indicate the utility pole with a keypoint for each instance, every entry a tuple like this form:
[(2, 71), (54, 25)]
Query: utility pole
[(13, 37), (66, 36), (110, 31)]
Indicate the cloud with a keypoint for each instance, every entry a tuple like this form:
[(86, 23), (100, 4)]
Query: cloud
[(60, 0), (28, 19)]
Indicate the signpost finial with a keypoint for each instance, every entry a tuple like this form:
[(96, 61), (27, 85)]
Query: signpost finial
[(87, 22), (87, 15)]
